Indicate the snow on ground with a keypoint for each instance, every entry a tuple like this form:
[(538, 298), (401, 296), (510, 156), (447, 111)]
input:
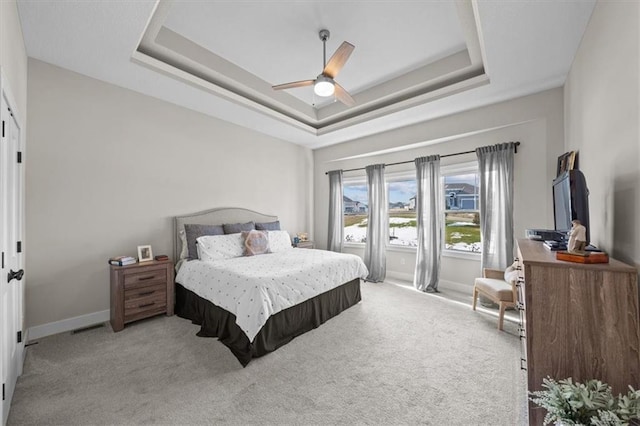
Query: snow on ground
[(407, 236)]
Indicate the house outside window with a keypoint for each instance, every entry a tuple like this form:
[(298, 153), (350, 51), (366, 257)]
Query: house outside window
[(462, 208), (461, 204), (354, 201), (401, 195)]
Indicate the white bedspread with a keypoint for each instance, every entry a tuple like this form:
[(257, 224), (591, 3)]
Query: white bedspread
[(254, 288)]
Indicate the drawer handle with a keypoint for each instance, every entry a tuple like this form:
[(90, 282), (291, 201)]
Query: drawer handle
[(523, 364), (150, 277), (521, 333), (146, 305), (146, 293)]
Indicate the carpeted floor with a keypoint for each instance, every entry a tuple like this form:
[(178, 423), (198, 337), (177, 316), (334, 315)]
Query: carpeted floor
[(398, 357)]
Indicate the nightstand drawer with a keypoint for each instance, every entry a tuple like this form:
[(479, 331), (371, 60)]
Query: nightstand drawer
[(145, 291), (140, 279), (143, 304), (138, 314)]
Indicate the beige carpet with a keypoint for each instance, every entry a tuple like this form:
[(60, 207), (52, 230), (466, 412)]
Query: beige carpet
[(398, 357)]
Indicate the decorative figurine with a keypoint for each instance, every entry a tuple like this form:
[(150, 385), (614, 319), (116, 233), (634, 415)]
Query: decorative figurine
[(577, 237)]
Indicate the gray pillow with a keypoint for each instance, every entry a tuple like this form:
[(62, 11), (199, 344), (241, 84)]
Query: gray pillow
[(235, 228), (192, 231), (268, 226)]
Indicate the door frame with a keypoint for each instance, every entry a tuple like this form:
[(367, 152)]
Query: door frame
[(6, 92)]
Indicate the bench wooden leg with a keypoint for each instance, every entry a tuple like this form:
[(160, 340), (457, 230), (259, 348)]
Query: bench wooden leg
[(503, 306), (475, 297)]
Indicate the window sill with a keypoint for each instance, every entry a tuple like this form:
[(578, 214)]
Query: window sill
[(462, 255), (404, 249)]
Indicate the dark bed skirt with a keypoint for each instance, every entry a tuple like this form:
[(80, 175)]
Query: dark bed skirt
[(279, 329)]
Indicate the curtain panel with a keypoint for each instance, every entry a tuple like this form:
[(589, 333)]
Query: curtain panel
[(429, 215), (336, 212), (495, 165), (375, 256)]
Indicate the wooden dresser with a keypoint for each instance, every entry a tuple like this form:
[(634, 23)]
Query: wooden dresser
[(141, 290), (579, 321)]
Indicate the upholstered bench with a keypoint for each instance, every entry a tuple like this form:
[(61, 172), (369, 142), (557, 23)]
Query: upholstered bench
[(493, 286)]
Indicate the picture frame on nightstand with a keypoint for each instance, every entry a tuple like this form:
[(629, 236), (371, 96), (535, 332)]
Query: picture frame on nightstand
[(144, 253)]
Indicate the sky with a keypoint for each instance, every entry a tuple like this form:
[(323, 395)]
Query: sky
[(400, 191)]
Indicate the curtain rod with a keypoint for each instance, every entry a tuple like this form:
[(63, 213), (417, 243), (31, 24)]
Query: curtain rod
[(411, 161)]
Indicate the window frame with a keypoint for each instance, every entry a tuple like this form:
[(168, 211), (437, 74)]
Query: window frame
[(448, 170), (353, 180), (457, 169), (397, 177)]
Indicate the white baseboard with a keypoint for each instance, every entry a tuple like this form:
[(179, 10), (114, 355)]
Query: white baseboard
[(69, 324)]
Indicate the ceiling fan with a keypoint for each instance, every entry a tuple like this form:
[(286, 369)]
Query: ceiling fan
[(324, 85)]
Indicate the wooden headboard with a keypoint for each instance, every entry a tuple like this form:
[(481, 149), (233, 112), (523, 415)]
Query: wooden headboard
[(218, 216)]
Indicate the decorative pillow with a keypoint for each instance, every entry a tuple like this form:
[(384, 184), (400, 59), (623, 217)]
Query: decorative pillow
[(511, 273), (217, 247), (236, 228), (268, 226), (279, 241), (192, 232), (255, 242)]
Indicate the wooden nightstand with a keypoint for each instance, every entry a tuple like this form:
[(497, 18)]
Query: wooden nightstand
[(306, 244), (141, 290)]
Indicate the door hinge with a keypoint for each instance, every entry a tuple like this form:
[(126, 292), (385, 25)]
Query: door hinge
[(19, 248), (2, 260), (3, 391), (19, 156), (19, 336), (3, 128)]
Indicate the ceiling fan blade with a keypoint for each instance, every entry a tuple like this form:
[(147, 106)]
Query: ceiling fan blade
[(293, 84), (344, 96), (338, 59)]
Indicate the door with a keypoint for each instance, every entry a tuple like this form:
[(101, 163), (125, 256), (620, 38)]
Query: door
[(11, 256)]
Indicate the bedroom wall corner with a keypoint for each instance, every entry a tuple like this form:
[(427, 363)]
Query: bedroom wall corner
[(109, 168), (602, 122)]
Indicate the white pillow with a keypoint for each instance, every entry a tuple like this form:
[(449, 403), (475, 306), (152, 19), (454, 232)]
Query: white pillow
[(183, 241), (279, 241), (217, 247)]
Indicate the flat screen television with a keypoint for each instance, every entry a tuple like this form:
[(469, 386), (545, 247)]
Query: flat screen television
[(570, 201)]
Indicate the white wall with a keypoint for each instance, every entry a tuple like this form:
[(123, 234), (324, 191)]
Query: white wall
[(602, 122), (536, 121), (13, 56), (108, 168)]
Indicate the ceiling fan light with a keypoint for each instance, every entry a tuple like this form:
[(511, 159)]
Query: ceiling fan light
[(323, 86)]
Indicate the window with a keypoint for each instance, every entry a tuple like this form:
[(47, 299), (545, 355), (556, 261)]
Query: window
[(355, 201), (401, 195), (461, 204), (462, 210)]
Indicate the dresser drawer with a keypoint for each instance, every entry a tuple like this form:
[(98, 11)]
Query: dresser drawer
[(144, 278)]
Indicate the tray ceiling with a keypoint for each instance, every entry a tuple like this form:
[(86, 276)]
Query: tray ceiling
[(413, 61)]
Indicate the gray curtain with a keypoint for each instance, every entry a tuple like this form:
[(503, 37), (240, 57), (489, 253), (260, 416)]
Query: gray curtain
[(336, 212), (495, 165), (429, 214), (375, 256)]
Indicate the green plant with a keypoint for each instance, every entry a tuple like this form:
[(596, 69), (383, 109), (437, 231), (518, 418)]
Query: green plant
[(570, 403)]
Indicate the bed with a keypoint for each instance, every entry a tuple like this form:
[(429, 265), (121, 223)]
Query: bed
[(256, 304)]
